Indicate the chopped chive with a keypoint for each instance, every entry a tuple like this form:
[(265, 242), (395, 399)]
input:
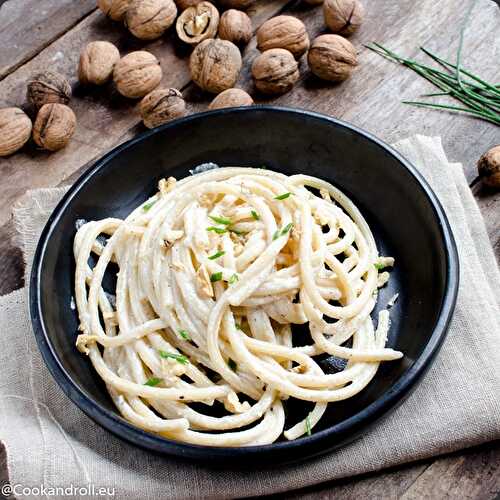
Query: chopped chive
[(178, 357), (153, 381), (147, 206), (255, 215), (236, 231), (217, 230), (308, 425), (238, 327), (184, 334), (286, 228), (276, 235), (232, 364), (216, 277), (233, 279), (379, 266), (216, 255), (283, 196), (221, 220)]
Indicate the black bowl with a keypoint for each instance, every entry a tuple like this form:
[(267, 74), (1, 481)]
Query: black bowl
[(407, 220)]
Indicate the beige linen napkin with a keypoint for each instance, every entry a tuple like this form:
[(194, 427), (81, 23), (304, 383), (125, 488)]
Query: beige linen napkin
[(49, 441)]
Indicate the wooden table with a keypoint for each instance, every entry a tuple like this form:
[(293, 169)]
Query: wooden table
[(48, 34)]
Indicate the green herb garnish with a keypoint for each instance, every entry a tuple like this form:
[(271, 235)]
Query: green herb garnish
[(184, 334), (308, 425), (217, 230), (480, 98), (232, 364), (276, 235), (237, 326), (216, 255), (153, 381), (379, 266), (216, 277), (283, 196), (221, 220), (171, 355), (286, 228), (236, 231), (233, 279), (147, 206), (255, 215)]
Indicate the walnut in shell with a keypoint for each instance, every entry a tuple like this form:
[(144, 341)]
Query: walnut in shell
[(231, 98), (54, 126), (149, 19), (198, 23), (15, 130), (97, 61), (115, 9), (314, 2), (343, 16), (236, 4), (283, 32), (275, 71), (235, 26), (488, 167), (215, 65), (332, 58), (161, 106), (184, 4), (137, 74), (48, 87)]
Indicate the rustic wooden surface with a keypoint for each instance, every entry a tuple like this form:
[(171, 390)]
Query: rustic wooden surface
[(41, 34)]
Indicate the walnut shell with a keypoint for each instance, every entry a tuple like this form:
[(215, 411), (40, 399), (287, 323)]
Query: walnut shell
[(97, 61), (137, 74), (215, 65), (184, 4), (343, 16), (235, 26), (314, 2), (198, 23), (149, 19), (275, 71), (488, 167), (48, 87), (332, 58), (231, 98), (283, 32), (161, 106), (15, 130), (115, 9), (54, 126), (236, 4)]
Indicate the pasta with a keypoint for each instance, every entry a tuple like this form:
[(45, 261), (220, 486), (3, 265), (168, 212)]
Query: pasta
[(213, 273)]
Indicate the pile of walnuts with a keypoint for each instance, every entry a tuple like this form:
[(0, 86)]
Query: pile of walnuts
[(215, 63)]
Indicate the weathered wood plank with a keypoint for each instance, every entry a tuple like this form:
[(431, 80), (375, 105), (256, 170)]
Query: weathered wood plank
[(28, 26), (489, 203)]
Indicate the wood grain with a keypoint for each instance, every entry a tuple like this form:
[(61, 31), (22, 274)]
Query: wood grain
[(27, 26)]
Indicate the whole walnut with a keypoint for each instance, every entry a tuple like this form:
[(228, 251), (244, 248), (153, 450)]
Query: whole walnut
[(48, 87), (314, 2), (97, 61), (231, 98), (215, 65), (149, 19), (115, 9), (235, 26), (332, 58), (343, 16), (161, 106), (236, 4), (488, 167), (275, 71), (54, 126), (137, 74), (15, 130), (198, 23), (184, 4), (283, 32)]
